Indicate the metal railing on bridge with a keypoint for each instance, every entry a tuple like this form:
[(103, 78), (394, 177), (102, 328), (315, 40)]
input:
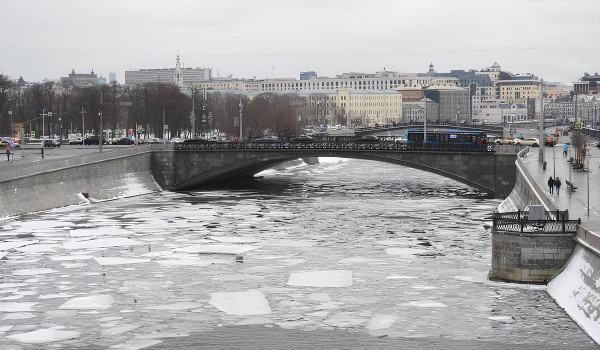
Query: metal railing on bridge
[(335, 144), (553, 222)]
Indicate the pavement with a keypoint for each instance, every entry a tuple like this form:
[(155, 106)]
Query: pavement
[(584, 201)]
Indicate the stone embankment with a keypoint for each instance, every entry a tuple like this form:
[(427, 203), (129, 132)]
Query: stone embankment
[(575, 287), (77, 180)]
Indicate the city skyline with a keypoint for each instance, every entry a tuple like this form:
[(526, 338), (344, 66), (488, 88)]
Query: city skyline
[(266, 39)]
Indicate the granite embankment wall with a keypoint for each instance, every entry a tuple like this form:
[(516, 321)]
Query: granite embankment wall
[(575, 287), (78, 180)]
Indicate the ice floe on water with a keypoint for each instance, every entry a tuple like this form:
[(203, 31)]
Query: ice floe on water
[(119, 261), (401, 277), (33, 272), (326, 279), (184, 305), (231, 249), (381, 321), (250, 302), (424, 304), (16, 306), (42, 336), (100, 243), (408, 252), (92, 302)]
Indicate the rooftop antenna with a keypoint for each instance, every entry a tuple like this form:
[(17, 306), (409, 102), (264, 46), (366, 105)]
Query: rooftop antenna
[(273, 71)]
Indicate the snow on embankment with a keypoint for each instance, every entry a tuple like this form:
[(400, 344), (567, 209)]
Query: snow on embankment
[(577, 290)]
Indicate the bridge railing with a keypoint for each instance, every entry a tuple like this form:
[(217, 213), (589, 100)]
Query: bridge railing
[(334, 145), (519, 222)]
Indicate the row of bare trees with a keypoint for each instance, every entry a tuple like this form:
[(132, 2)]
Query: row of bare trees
[(56, 109)]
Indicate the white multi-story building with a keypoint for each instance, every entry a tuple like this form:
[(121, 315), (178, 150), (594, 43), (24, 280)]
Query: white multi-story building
[(182, 77)]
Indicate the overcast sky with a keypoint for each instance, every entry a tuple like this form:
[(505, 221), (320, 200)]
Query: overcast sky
[(558, 40)]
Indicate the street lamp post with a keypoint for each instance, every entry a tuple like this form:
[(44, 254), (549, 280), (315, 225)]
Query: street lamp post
[(82, 126), (101, 130), (588, 187), (12, 134), (241, 108)]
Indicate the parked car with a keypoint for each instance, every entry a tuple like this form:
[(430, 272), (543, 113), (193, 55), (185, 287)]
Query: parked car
[(198, 140), (124, 141), (4, 143), (94, 140), (533, 142), (267, 139), (77, 141), (50, 143), (367, 139), (157, 140), (504, 141), (302, 139)]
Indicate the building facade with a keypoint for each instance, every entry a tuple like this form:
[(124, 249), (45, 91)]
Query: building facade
[(182, 77), (82, 79)]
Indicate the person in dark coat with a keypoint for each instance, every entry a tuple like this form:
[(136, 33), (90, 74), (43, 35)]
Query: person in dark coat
[(551, 184), (557, 184)]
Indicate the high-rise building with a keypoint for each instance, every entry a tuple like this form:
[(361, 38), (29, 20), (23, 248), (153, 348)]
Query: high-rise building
[(112, 77)]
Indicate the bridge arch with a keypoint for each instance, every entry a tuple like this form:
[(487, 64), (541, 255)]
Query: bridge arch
[(486, 171)]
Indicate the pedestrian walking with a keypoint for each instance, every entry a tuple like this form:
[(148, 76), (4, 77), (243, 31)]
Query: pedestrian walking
[(551, 184), (8, 153), (557, 184), (565, 149)]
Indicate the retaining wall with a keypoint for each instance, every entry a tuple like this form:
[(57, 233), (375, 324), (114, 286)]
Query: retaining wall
[(69, 181), (529, 257), (575, 287)]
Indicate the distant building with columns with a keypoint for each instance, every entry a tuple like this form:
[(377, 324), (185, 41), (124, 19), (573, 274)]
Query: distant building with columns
[(82, 79)]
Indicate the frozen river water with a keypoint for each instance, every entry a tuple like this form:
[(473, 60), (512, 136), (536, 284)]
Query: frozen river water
[(340, 255)]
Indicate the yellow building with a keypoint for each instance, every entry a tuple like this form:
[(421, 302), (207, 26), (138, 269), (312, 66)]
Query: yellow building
[(355, 107), (525, 92)]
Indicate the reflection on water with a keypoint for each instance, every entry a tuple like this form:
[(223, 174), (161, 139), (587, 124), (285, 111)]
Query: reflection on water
[(339, 255)]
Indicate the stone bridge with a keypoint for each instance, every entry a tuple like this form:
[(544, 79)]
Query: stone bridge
[(188, 166)]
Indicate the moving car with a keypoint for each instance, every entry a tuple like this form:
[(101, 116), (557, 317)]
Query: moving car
[(504, 141), (198, 140), (533, 142), (94, 140), (50, 143), (367, 139), (4, 143), (77, 141), (302, 139), (124, 141), (267, 139)]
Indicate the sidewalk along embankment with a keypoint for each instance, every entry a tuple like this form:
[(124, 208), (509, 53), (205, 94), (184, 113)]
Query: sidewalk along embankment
[(576, 287), (77, 180)]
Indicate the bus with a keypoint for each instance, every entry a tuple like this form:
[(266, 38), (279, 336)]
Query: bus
[(446, 136)]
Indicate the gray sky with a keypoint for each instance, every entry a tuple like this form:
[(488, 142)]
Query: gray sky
[(557, 40)]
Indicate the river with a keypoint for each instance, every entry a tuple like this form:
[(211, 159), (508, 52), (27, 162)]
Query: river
[(344, 254)]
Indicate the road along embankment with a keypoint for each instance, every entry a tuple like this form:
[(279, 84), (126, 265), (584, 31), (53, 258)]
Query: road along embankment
[(77, 180), (575, 287)]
